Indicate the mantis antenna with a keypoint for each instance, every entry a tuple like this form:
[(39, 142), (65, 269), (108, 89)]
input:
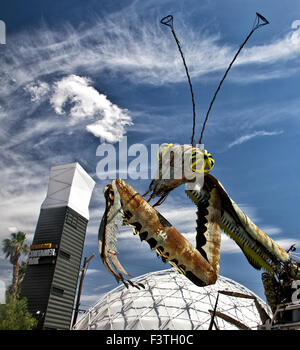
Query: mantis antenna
[(168, 21), (259, 22)]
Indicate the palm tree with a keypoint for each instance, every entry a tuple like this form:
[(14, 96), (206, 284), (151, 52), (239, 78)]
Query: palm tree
[(21, 275), (13, 248)]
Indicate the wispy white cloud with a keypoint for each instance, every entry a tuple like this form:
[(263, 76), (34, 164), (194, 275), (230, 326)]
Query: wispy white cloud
[(271, 73), (287, 242), (89, 299), (23, 188), (271, 230), (228, 245), (245, 138), (138, 48), (285, 48), (91, 271), (37, 90), (86, 102)]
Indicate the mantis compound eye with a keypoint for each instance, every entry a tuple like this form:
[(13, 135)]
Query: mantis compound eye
[(201, 161)]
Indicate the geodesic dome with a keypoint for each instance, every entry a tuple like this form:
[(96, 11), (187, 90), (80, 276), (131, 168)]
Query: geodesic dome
[(170, 302)]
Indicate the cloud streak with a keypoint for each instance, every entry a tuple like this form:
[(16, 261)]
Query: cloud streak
[(286, 48), (138, 48), (245, 138)]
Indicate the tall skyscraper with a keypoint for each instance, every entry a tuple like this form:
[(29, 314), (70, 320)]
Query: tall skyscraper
[(55, 254)]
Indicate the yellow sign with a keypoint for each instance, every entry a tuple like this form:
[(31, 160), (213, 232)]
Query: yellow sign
[(41, 246)]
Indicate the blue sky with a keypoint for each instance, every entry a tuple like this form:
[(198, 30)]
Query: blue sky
[(77, 73)]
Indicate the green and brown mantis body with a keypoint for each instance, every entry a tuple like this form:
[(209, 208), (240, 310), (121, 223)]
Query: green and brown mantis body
[(216, 211)]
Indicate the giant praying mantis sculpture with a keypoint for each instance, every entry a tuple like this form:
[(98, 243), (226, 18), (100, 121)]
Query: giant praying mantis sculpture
[(216, 211)]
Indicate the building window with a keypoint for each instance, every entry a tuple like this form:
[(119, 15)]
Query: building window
[(72, 220), (57, 291), (64, 254)]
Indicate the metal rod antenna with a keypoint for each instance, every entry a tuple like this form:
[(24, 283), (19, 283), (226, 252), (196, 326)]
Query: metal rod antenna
[(168, 21), (257, 24)]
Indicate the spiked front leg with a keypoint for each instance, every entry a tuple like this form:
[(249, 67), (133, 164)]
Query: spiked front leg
[(210, 231), (163, 237)]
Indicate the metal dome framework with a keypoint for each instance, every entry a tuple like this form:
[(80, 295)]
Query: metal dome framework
[(170, 302)]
